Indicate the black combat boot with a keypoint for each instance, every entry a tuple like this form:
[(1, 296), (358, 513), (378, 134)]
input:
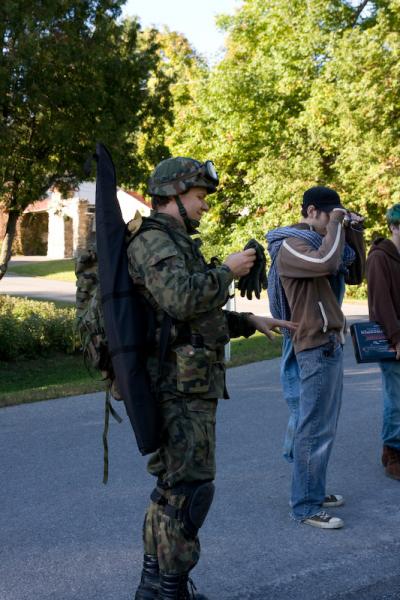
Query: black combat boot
[(176, 587), (150, 581)]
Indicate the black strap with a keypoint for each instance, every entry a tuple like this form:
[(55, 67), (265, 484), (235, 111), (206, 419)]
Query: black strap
[(109, 409), (158, 497), (124, 294), (164, 339), (173, 513), (122, 349), (150, 224)]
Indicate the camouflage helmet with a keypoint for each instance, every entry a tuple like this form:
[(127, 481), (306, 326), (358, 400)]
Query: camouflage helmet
[(175, 176)]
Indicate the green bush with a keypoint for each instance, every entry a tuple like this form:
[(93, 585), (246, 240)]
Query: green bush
[(357, 292), (29, 329)]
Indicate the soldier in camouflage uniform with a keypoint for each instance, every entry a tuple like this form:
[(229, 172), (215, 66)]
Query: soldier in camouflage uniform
[(172, 275)]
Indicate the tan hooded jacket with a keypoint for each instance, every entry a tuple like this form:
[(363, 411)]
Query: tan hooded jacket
[(304, 274)]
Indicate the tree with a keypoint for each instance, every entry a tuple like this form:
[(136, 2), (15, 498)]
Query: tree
[(353, 114), (179, 72), (71, 73), (248, 104), (306, 94)]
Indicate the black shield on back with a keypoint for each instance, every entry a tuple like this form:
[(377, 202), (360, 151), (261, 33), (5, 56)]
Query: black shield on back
[(124, 314)]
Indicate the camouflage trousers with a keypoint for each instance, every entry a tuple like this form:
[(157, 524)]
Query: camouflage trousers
[(186, 454)]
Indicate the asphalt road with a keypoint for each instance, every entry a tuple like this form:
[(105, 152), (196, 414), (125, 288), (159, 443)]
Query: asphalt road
[(65, 536), (40, 288)]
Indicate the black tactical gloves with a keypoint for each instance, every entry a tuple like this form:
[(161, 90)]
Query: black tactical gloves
[(256, 280)]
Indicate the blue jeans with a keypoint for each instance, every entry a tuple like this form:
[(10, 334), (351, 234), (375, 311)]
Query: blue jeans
[(290, 378), (391, 403), (290, 381), (321, 385)]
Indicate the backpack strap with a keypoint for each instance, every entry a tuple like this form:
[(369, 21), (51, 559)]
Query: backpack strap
[(108, 409), (164, 339), (149, 224)]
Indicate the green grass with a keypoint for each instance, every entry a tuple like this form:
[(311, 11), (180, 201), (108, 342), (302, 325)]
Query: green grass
[(60, 270), (44, 378), (257, 347), (66, 375)]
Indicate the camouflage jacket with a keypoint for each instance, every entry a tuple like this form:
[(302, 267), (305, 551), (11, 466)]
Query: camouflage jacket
[(173, 276)]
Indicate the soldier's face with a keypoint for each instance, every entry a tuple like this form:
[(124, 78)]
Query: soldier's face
[(195, 202)]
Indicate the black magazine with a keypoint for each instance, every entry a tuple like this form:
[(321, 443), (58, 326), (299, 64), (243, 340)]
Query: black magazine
[(370, 342)]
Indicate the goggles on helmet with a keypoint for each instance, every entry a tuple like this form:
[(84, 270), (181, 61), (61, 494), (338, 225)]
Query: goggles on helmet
[(206, 170)]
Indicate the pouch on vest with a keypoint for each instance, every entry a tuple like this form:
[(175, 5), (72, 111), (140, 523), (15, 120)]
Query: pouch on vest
[(213, 329), (193, 366)]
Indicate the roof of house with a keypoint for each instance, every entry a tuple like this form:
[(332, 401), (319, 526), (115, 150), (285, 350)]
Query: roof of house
[(87, 190), (38, 206), (138, 197)]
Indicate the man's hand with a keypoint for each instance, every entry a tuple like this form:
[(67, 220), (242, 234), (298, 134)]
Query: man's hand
[(267, 325), (353, 218), (397, 348), (356, 217), (240, 263)]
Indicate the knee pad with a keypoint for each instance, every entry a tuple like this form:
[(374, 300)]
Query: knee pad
[(199, 497), (198, 505)]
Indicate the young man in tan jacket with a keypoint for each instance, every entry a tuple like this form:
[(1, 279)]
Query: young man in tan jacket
[(305, 263)]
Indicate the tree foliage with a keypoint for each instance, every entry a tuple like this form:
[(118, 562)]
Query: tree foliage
[(306, 94), (71, 73), (180, 69)]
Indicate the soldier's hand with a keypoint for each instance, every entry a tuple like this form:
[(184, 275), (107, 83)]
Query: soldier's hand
[(240, 263), (397, 348), (267, 325)]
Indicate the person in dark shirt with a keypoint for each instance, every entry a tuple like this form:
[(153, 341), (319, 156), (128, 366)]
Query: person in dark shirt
[(383, 277)]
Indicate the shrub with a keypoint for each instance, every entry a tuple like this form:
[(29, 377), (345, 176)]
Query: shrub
[(29, 329), (357, 292)]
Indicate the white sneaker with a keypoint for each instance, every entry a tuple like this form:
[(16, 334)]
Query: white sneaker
[(324, 521), (333, 500)]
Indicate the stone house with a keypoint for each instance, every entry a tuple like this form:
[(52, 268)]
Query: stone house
[(59, 227)]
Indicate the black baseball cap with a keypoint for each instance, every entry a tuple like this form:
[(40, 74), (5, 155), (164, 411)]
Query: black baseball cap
[(323, 198)]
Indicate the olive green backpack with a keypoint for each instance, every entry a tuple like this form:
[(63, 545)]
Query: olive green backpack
[(90, 327), (89, 324)]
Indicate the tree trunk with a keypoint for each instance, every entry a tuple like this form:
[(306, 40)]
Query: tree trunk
[(6, 249)]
